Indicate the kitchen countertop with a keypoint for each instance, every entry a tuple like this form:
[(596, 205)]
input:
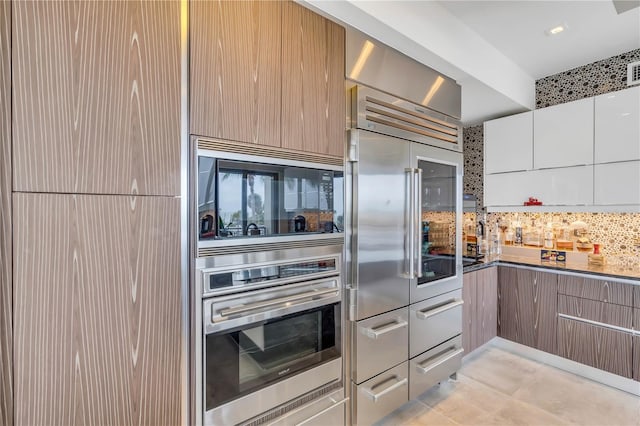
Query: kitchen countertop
[(614, 271)]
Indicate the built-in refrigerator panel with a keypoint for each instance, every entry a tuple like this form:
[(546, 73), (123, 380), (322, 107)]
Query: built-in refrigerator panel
[(379, 170), (439, 221)]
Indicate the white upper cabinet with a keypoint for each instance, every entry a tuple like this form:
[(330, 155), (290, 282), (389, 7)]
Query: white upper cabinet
[(617, 126), (617, 183), (508, 144), (563, 135)]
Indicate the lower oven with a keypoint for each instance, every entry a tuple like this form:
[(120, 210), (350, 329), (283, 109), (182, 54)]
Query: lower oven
[(266, 346)]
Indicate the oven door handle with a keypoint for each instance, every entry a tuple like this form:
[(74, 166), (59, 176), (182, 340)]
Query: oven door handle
[(276, 302)]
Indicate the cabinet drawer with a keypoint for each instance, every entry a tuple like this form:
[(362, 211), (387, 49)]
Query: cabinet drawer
[(599, 347), (636, 301), (607, 313), (379, 343), (434, 366), (636, 358), (328, 410), (434, 321), (594, 289), (379, 396)]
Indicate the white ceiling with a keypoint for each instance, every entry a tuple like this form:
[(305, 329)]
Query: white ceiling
[(494, 49), (517, 28)]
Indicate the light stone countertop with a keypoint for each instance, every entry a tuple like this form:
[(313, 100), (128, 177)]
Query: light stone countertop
[(576, 262)]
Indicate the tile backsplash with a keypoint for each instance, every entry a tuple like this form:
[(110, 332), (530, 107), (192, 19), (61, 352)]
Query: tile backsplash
[(619, 233), (607, 75)]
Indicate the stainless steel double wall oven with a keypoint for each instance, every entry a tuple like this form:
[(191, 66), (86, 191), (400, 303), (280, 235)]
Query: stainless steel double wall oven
[(268, 313)]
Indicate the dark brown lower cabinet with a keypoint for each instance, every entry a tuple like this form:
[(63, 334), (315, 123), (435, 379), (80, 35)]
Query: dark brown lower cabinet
[(480, 295), (599, 347), (527, 307), (96, 309)]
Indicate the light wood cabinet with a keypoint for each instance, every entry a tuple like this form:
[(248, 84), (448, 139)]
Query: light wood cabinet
[(527, 307), (236, 70), (96, 95), (479, 313), (313, 91), (6, 320), (508, 144), (617, 126), (269, 73), (563, 135), (97, 310)]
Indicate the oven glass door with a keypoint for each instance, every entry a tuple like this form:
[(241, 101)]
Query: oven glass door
[(245, 359)]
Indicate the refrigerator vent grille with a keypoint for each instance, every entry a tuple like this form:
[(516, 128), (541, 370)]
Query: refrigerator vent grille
[(225, 250), (633, 73)]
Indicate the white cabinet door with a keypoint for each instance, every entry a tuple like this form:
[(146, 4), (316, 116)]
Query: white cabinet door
[(563, 135), (565, 186), (617, 126), (508, 143), (617, 183), (508, 189)]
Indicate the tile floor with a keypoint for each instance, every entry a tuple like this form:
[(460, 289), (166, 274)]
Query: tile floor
[(496, 387)]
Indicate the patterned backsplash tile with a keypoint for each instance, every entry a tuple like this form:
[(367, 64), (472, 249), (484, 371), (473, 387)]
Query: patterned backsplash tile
[(607, 75), (617, 232)]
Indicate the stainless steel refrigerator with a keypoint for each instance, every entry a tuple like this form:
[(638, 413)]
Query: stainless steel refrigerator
[(403, 251)]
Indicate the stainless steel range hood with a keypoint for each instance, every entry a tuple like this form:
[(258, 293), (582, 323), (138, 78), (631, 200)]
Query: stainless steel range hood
[(376, 65)]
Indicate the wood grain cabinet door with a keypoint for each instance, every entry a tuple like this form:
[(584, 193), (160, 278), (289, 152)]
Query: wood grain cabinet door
[(487, 301), (97, 310), (636, 342), (528, 305), (313, 90), (235, 64), (96, 97), (469, 295), (6, 376)]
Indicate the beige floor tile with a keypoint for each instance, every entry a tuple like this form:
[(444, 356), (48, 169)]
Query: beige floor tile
[(517, 413), (430, 418), (500, 370), (463, 400), (403, 414), (579, 400)]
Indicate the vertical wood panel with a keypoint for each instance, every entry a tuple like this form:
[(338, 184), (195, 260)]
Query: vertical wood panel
[(636, 342), (546, 311), (598, 347), (235, 70), (97, 312), (313, 91), (97, 97), (6, 320), (487, 304), (469, 283), (507, 303)]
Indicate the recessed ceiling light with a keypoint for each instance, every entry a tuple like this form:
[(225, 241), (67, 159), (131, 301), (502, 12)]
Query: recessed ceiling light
[(556, 30)]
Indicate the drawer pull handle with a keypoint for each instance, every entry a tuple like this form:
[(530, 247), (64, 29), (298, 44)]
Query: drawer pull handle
[(597, 323), (430, 364), (375, 333), (376, 396), (427, 313)]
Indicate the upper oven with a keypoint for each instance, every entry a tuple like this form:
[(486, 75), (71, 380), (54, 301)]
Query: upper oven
[(248, 199)]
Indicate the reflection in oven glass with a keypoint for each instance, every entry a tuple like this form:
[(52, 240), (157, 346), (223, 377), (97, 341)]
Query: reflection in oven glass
[(242, 361)]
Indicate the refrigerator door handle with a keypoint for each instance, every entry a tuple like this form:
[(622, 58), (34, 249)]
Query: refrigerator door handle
[(409, 239), (417, 225)]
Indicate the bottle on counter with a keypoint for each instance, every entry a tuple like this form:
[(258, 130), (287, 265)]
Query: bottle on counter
[(518, 233), (549, 238), (509, 236), (596, 258)]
